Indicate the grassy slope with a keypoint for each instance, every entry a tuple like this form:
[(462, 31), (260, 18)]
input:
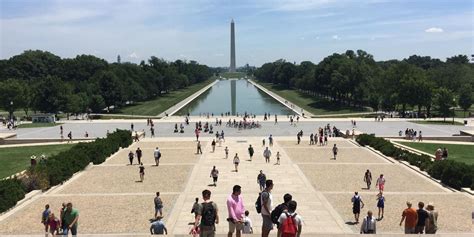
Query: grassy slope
[(162, 103), (16, 159), (316, 106), (38, 125), (437, 122), (461, 153)]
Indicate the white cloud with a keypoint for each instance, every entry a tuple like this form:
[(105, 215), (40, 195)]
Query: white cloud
[(317, 37), (336, 37), (434, 30), (133, 55)]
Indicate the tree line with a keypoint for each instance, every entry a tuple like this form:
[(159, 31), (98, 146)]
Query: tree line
[(356, 79), (43, 82)]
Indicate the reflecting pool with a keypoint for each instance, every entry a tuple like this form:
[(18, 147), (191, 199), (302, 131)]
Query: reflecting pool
[(234, 96)]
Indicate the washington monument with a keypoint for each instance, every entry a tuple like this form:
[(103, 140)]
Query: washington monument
[(232, 47)]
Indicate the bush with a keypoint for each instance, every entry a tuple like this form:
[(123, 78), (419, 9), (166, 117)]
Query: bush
[(11, 191), (452, 173)]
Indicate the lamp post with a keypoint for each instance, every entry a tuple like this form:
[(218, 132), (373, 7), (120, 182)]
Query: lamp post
[(11, 109), (454, 104)]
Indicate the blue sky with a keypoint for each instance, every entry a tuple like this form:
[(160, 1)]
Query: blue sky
[(266, 30)]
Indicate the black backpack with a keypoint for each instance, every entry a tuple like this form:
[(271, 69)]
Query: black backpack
[(208, 214), (258, 203), (276, 213)]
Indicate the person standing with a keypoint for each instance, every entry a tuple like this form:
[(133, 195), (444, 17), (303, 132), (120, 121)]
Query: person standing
[(235, 209), (369, 224), (270, 140), (261, 179), (226, 149), (198, 149), (276, 119), (45, 216), (131, 127), (207, 216), (141, 171), (53, 224), (357, 204), (422, 218), (248, 227), (251, 151), (380, 204), (278, 158), (213, 144), (130, 157), (215, 175), (311, 139), (278, 210), (334, 151), (298, 138), (157, 155), (139, 155), (380, 182), (236, 162), (158, 205), (410, 217), (267, 154), (432, 222), (71, 217), (368, 178), (196, 132), (266, 201), (290, 222)]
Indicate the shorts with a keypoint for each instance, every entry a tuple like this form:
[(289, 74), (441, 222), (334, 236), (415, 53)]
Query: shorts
[(355, 210), (214, 179), (235, 226), (158, 209), (381, 186), (236, 163), (267, 222), (381, 205), (207, 233)]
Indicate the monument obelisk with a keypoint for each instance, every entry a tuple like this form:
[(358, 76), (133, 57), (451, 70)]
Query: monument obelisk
[(232, 47)]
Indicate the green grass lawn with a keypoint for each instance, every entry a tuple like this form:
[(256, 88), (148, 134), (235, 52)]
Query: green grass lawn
[(16, 159), (313, 104), (38, 125), (461, 153), (437, 122), (162, 103)]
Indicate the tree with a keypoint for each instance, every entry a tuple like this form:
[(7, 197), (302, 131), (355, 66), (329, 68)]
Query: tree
[(52, 95), (97, 103), (11, 98), (458, 59), (465, 98), (109, 87), (444, 101)]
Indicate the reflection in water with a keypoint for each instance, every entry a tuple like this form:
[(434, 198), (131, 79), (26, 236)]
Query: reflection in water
[(250, 99)]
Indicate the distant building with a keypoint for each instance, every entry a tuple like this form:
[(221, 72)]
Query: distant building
[(232, 47)]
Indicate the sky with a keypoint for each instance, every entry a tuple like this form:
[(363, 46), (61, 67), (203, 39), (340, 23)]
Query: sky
[(266, 30)]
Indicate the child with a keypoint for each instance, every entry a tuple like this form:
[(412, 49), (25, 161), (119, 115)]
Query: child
[(53, 224), (247, 224), (278, 158)]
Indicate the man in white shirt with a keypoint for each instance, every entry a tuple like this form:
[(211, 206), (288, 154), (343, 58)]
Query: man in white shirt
[(291, 213), (266, 199), (368, 224), (157, 155)]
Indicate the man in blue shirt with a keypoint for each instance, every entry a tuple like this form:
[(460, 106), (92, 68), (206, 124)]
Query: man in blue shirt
[(158, 227)]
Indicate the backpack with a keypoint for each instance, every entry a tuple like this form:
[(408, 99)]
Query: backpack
[(208, 215), (258, 203), (288, 227), (276, 213)]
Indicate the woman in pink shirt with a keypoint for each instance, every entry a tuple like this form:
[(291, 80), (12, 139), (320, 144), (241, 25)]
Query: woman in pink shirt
[(53, 224)]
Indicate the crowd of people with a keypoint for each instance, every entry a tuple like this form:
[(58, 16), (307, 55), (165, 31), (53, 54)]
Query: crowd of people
[(66, 223)]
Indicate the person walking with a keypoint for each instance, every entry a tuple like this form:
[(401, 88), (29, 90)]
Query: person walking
[(261, 179), (422, 218), (196, 132), (380, 204), (369, 224), (158, 205), (278, 158), (213, 144), (410, 217), (139, 155), (130, 157), (53, 225), (298, 138), (226, 149), (215, 175), (290, 222), (311, 139), (270, 140), (236, 162), (251, 151), (266, 203), (357, 204), (267, 153), (131, 127), (157, 155), (45, 216), (207, 216), (158, 227), (71, 218), (278, 210), (141, 172), (380, 182), (368, 178), (198, 148), (432, 222), (195, 208), (235, 210), (334, 151)]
